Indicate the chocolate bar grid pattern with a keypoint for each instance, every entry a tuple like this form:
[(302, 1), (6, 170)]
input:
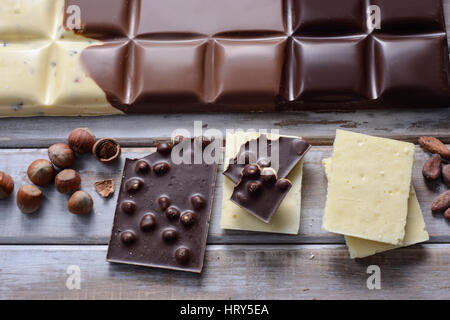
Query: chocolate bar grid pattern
[(269, 50)]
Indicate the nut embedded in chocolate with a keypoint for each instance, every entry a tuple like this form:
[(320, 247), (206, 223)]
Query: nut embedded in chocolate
[(161, 168), (198, 202), (242, 198), (268, 176), (6, 185), (169, 235), (187, 218), (128, 207), (164, 148), (283, 184), (264, 163), (251, 170), (133, 185), (177, 140), (128, 237), (148, 222), (164, 202), (106, 150), (172, 213), (254, 187), (142, 167), (183, 255)]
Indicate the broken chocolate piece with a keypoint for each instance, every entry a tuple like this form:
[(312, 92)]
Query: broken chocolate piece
[(290, 150), (258, 195), (162, 216)]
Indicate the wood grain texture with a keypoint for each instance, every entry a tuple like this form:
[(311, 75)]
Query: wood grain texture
[(144, 130), (231, 272), (53, 224)]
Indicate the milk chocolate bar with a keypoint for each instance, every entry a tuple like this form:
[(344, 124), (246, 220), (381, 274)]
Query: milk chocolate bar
[(163, 211), (260, 192), (289, 151), (152, 56)]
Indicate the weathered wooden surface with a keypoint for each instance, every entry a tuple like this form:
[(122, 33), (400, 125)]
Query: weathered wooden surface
[(143, 131), (53, 224), (35, 250), (231, 272)]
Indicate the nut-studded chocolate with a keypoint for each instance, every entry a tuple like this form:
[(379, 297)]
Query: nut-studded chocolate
[(259, 194), (258, 152), (167, 209)]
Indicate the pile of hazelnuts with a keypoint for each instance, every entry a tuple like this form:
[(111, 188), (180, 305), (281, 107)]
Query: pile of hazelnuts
[(67, 181)]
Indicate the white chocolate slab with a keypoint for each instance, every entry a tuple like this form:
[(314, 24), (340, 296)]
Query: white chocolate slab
[(415, 229), (369, 187), (286, 219), (40, 67)]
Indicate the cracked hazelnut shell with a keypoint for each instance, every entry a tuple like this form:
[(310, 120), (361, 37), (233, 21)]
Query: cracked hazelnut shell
[(106, 150)]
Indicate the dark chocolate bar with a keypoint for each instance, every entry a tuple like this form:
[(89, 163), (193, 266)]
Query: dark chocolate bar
[(289, 151), (266, 55), (163, 211), (260, 192)]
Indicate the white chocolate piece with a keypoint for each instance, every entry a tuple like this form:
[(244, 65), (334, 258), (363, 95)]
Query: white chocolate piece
[(415, 229), (369, 187), (285, 220), (40, 66)]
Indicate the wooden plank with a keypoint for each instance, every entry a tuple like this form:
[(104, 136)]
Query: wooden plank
[(144, 130), (53, 224), (231, 272)]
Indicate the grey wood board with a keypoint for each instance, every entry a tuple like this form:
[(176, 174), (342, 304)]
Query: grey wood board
[(144, 130), (53, 224), (230, 272)]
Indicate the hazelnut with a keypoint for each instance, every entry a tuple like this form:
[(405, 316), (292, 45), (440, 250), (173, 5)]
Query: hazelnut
[(80, 203), (106, 150), (164, 148), (283, 184), (41, 172), (29, 198), (6, 185), (81, 140), (61, 155), (67, 181)]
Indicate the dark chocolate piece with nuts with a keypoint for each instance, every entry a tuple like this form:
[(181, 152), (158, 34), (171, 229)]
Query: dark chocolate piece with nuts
[(260, 192), (163, 211), (290, 150)]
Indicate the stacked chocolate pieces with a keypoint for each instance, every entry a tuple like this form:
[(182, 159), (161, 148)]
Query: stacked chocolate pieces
[(259, 172), (164, 207)]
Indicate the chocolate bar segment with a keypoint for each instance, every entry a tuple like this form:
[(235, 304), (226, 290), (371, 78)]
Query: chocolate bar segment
[(179, 56), (289, 151), (260, 192), (163, 211)]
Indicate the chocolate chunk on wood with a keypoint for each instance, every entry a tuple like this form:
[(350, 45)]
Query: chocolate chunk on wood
[(163, 211)]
